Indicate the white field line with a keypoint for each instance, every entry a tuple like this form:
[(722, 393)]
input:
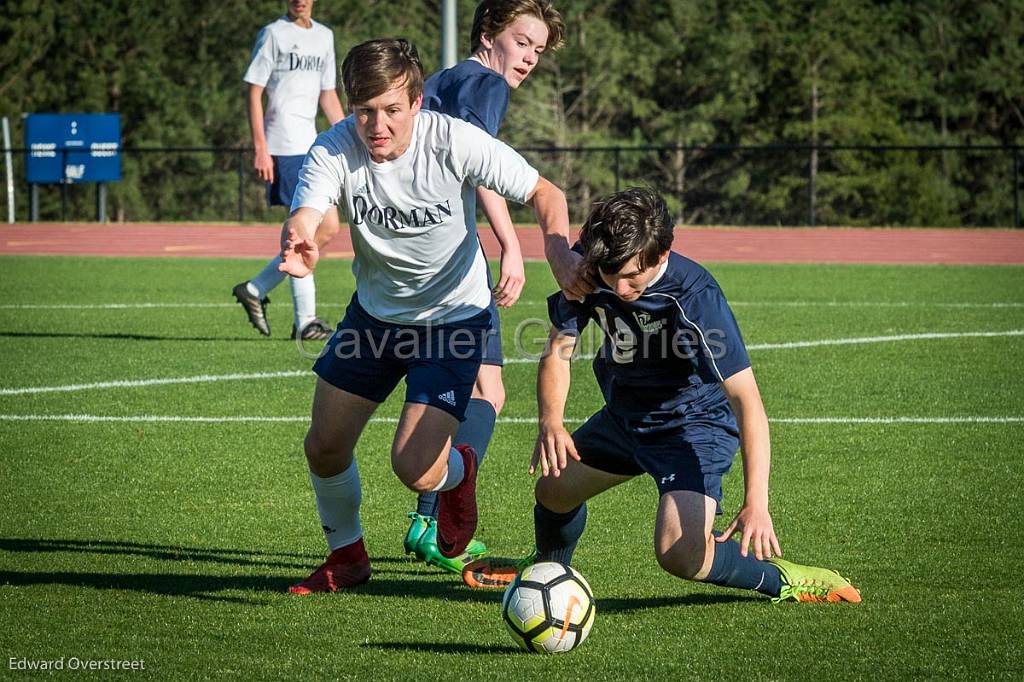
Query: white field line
[(209, 378), (791, 304), (149, 419), (835, 342), (852, 304), (139, 383)]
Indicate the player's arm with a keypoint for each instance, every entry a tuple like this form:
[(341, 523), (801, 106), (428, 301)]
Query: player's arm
[(262, 162), (554, 443), (299, 251), (753, 519), (552, 212), (331, 105), (512, 275)]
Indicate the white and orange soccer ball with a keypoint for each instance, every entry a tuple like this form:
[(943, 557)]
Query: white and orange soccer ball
[(548, 608)]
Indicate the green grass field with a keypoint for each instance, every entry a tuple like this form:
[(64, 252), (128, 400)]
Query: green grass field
[(169, 531)]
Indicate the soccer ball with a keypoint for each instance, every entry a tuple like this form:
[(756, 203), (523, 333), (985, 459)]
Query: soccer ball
[(548, 608)]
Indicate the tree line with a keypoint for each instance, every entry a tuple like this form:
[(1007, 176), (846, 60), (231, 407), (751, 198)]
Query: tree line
[(749, 112)]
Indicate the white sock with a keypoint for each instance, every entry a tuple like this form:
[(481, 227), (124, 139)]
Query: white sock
[(304, 297), (337, 501), (456, 471), (268, 278)]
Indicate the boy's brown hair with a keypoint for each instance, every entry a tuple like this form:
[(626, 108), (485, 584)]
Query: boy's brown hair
[(494, 16), (634, 222), (372, 68)]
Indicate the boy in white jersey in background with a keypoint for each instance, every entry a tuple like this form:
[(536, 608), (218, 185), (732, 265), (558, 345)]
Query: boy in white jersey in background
[(420, 309), (507, 40), (293, 62)]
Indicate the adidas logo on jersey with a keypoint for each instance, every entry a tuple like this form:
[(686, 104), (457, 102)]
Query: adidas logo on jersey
[(448, 397)]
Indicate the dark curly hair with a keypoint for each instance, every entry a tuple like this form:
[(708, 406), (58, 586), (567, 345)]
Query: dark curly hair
[(634, 222)]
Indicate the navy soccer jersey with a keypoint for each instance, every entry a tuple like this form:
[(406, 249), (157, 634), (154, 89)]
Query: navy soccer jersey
[(478, 95), (664, 355), (470, 91)]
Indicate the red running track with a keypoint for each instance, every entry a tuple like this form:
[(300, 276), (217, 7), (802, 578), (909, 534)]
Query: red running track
[(710, 244)]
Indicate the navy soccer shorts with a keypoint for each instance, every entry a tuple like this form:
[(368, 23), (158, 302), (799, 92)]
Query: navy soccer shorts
[(694, 457), (286, 177), (492, 344), (368, 357)]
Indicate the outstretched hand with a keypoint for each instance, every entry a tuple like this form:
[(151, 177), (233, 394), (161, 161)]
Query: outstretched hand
[(299, 256), (552, 452), (756, 528)]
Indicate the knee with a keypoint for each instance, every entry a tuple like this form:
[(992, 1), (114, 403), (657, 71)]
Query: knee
[(682, 559), (413, 474), (323, 457), (416, 481), (548, 496), (491, 389)]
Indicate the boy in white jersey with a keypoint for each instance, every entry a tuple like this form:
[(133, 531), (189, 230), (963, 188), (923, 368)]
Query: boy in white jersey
[(294, 63), (420, 308)]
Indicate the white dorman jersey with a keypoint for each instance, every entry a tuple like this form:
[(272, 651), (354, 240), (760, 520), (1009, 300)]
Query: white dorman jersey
[(417, 258), (294, 64)]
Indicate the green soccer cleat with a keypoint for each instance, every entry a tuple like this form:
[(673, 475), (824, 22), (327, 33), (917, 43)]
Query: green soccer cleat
[(808, 583), (421, 540), (418, 526), (495, 573)]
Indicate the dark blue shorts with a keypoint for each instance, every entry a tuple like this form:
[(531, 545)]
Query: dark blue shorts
[(286, 177), (492, 345), (368, 357), (694, 457)]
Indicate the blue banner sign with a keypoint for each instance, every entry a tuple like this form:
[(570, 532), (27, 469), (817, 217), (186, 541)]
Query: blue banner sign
[(92, 143)]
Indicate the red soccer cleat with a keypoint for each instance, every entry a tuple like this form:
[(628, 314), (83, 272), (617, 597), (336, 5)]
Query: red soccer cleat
[(347, 566), (456, 509)]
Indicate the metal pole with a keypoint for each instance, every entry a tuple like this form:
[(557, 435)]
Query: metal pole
[(8, 161), (449, 33), (241, 186), (101, 202), (63, 185), (1016, 187), (33, 202), (811, 208)]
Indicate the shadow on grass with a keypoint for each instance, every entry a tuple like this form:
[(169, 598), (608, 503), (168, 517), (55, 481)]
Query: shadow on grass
[(442, 648), (238, 557), (128, 337), (422, 582), (625, 604), (209, 587)]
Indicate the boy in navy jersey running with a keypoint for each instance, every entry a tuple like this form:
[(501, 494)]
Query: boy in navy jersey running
[(680, 397), (507, 40)]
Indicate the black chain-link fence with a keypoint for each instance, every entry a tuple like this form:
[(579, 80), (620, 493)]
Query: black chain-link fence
[(919, 186)]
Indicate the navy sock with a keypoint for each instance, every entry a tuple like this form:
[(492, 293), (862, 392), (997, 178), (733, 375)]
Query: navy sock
[(475, 431), (557, 534), (730, 569)]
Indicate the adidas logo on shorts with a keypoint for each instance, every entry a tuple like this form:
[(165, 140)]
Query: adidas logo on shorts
[(448, 397)]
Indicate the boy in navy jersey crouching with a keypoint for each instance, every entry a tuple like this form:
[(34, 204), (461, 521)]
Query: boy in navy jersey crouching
[(680, 397)]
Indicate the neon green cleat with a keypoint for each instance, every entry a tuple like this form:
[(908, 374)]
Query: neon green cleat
[(495, 573), (418, 526), (421, 540), (808, 583)]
